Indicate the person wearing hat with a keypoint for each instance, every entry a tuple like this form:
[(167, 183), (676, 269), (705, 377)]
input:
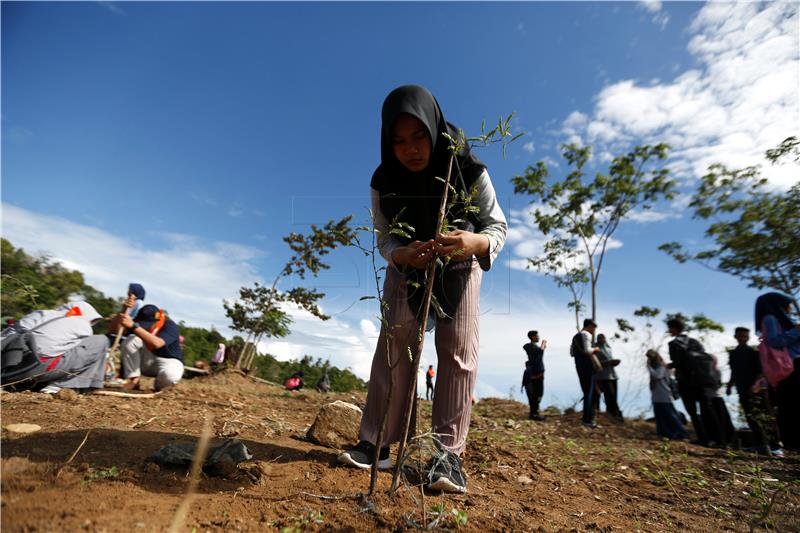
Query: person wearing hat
[(151, 349), (134, 301), (586, 364)]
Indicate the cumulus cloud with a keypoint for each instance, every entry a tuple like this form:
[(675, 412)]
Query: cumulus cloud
[(741, 100), (524, 240), (192, 294), (529, 147)]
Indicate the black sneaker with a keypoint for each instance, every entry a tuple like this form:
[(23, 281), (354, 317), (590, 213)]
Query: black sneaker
[(445, 473), (360, 456)]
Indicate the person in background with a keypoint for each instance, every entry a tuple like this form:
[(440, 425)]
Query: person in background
[(135, 298), (533, 385), (429, 375), (726, 433), (607, 378), (323, 384), (152, 348), (535, 352), (294, 382), (219, 357), (668, 424), (587, 365), (67, 353), (704, 420), (745, 370), (780, 332)]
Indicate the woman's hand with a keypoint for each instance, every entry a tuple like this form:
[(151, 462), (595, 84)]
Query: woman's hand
[(461, 245), (417, 254)]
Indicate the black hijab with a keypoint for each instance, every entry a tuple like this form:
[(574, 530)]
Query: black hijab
[(419, 193), (414, 197), (773, 303)]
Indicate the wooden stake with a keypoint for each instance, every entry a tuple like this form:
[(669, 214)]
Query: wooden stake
[(426, 304)]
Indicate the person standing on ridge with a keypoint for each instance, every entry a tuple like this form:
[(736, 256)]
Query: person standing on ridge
[(429, 375), (533, 378)]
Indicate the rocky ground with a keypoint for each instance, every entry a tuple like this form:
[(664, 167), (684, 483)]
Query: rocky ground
[(542, 476)]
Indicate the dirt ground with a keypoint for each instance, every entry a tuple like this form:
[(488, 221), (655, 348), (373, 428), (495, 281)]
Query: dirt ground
[(522, 475)]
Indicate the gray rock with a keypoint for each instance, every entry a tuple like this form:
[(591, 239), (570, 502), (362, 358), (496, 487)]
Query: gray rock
[(220, 461), (336, 425)]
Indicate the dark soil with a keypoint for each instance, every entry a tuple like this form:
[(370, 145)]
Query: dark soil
[(542, 476)]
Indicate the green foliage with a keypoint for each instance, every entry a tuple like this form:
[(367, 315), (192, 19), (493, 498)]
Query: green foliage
[(259, 310), (754, 229), (699, 322), (342, 380), (32, 283), (200, 343), (304, 522), (579, 214), (95, 474)]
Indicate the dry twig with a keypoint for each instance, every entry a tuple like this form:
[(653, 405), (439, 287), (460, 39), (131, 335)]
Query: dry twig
[(71, 457), (194, 477)]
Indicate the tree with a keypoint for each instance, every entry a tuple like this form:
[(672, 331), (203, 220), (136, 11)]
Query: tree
[(31, 283), (646, 337), (260, 311), (754, 230), (580, 215)]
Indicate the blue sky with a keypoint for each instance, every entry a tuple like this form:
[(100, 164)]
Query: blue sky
[(176, 143)]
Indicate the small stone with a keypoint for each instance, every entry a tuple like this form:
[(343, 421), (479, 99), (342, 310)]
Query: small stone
[(336, 425), (13, 465), (23, 428), (67, 394), (525, 480)]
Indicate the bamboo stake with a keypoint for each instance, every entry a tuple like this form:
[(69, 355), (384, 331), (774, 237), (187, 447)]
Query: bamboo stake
[(114, 350), (387, 335), (426, 304)]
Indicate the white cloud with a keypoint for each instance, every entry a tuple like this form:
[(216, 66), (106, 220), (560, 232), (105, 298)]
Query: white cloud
[(529, 147), (653, 6), (741, 100), (180, 272), (660, 17), (524, 240), (187, 276)]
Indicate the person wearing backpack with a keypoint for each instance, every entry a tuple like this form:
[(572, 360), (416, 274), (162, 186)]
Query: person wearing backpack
[(587, 365), (780, 361), (49, 350), (694, 370), (668, 424)]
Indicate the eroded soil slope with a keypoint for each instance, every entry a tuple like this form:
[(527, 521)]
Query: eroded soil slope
[(542, 476)]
